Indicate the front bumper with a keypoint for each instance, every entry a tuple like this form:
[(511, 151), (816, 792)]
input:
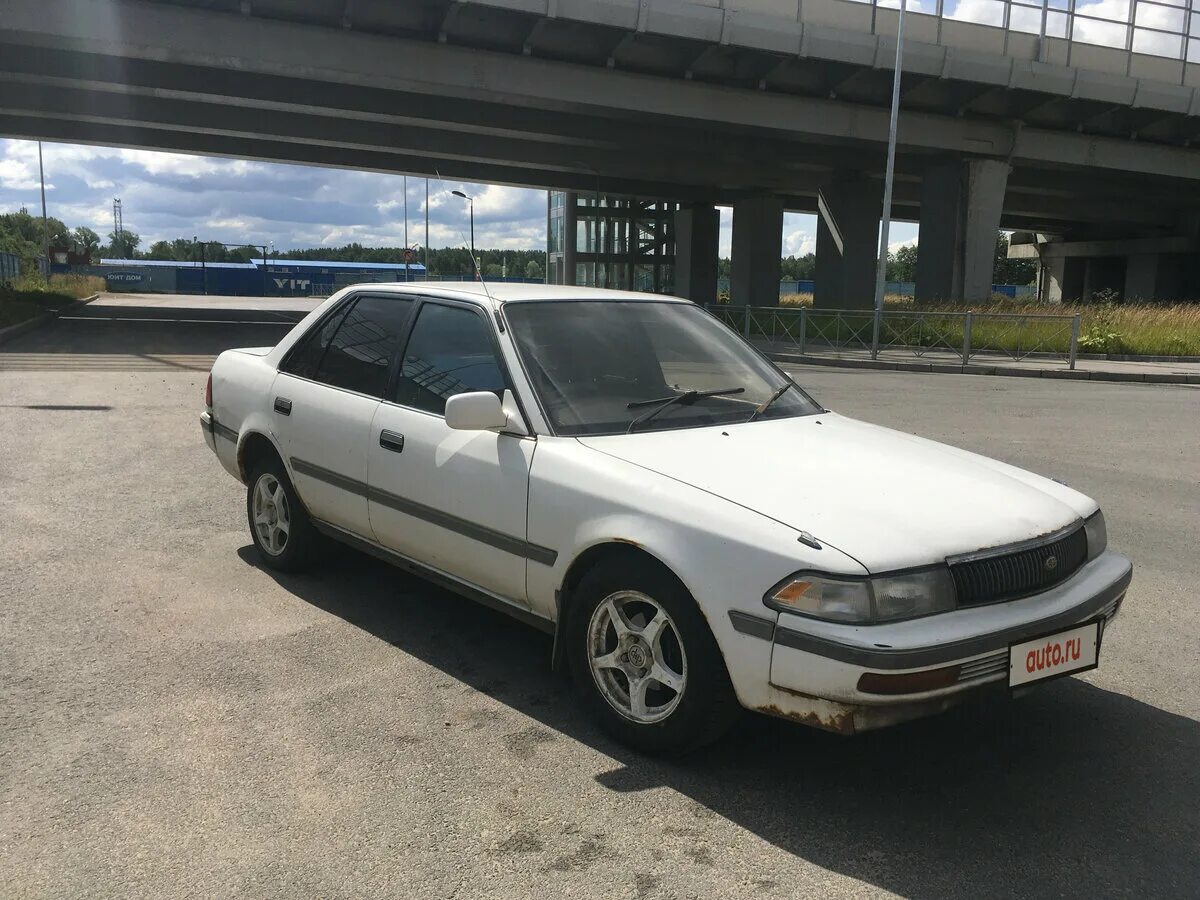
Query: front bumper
[(816, 666)]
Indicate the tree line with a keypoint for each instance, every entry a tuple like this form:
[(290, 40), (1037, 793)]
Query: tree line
[(902, 266), (21, 233)]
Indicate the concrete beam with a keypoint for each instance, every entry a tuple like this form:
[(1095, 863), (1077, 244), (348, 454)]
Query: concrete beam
[(307, 153), (697, 233), (99, 107), (847, 242), (1122, 247), (258, 46), (757, 251)]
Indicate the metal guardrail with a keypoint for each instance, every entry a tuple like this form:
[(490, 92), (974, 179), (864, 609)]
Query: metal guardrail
[(921, 333), (1163, 28)]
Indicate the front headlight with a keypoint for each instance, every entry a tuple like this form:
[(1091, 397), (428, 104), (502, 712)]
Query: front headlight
[(836, 599), (885, 598), (1097, 534), (913, 594)]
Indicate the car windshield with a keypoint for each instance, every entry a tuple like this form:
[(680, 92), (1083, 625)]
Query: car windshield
[(612, 366)]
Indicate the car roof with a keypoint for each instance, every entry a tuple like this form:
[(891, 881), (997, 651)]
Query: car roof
[(500, 292)]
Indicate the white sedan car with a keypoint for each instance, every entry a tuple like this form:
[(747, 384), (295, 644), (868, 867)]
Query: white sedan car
[(697, 532)]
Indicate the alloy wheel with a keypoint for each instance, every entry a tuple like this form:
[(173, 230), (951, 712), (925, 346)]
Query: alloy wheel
[(636, 656), (272, 521)]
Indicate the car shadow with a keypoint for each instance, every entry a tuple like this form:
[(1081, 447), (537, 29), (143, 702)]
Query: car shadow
[(1070, 791)]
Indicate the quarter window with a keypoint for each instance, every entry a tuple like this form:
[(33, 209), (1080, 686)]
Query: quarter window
[(305, 358), (450, 352)]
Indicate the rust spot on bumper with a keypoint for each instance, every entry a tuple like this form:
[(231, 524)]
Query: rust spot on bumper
[(839, 723)]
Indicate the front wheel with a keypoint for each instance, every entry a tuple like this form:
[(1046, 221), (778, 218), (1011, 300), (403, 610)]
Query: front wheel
[(644, 661), (283, 534)]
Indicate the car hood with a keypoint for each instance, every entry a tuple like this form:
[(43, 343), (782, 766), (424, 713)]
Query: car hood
[(890, 500)]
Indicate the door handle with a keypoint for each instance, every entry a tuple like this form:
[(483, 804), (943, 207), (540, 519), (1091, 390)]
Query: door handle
[(283, 406), (391, 440)]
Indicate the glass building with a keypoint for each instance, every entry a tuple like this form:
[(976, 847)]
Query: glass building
[(610, 241)]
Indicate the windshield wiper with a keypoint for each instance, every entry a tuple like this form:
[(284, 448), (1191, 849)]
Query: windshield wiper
[(762, 408), (662, 403)]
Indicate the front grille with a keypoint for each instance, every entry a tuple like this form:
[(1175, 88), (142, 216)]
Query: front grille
[(985, 667), (1008, 576)]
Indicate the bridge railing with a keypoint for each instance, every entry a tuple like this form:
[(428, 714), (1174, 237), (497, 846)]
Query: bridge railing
[(1098, 34), (955, 337)]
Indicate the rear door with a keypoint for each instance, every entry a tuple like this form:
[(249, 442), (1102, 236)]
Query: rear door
[(325, 398), (453, 500)]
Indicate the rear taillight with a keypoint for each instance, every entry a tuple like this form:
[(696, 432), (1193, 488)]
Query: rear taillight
[(208, 391)]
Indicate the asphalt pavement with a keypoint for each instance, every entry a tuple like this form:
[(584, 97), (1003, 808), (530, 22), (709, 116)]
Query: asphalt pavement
[(176, 721)]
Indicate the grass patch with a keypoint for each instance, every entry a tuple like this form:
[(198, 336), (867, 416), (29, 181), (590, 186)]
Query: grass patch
[(77, 286), (33, 296), (1149, 329)]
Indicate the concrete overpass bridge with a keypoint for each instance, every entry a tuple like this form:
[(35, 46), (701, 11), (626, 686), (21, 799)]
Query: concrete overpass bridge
[(1028, 114)]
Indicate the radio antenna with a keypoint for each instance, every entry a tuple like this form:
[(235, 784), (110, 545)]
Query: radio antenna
[(471, 252)]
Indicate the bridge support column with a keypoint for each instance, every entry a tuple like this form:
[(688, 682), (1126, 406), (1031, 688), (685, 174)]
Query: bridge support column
[(1141, 276), (848, 212), (1159, 276), (697, 232), (961, 202), (757, 251)]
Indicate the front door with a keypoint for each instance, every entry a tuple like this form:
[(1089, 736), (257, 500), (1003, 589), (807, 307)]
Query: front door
[(452, 500), (325, 398)]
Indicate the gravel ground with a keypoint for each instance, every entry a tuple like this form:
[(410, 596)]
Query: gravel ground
[(175, 721)]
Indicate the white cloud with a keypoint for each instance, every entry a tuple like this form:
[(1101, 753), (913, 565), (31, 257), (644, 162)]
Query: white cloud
[(18, 175), (168, 195), (800, 240), (156, 163)]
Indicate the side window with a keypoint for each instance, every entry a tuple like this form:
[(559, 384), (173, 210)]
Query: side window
[(306, 357), (362, 348), (450, 352)]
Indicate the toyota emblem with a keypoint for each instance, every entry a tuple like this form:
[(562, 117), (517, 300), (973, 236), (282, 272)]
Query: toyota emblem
[(1051, 563)]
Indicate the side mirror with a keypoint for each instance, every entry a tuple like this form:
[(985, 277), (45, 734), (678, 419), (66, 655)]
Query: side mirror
[(476, 411)]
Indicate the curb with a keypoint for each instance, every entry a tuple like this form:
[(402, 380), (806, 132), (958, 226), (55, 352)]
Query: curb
[(14, 331), (1002, 371)]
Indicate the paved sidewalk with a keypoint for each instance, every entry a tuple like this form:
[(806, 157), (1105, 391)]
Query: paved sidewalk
[(989, 364)]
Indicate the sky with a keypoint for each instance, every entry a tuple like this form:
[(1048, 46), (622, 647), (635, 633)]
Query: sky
[(171, 195)]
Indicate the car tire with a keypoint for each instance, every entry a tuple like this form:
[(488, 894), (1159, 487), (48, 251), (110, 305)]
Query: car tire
[(280, 527), (610, 670)]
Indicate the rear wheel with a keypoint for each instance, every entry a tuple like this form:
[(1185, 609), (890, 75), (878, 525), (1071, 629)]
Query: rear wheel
[(283, 534), (644, 661)]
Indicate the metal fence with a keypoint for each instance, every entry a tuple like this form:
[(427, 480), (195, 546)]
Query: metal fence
[(1169, 29), (902, 288), (10, 267), (958, 335)]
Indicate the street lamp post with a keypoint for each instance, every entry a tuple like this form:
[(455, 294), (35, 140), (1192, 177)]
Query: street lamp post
[(471, 205), (203, 266), (45, 223), (881, 267)]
